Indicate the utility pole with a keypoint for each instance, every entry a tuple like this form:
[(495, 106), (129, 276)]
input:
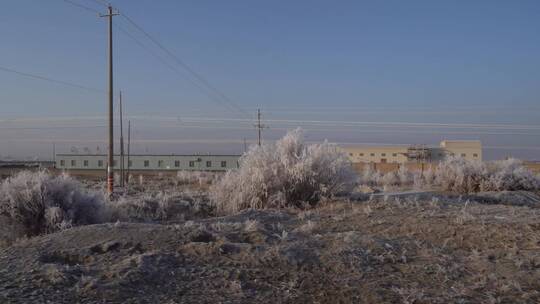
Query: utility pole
[(121, 144), (259, 126), (110, 173), (128, 152)]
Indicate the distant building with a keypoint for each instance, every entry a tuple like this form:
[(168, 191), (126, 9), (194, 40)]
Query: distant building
[(149, 162), (400, 154)]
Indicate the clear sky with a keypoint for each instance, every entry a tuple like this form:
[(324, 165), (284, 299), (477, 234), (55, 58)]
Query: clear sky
[(346, 71)]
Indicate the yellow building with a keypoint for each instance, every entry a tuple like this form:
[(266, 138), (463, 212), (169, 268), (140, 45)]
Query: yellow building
[(400, 154)]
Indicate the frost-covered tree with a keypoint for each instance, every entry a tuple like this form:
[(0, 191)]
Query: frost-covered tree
[(287, 173)]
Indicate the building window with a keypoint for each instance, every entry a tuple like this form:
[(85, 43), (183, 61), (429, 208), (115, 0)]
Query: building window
[(223, 164), (160, 163), (372, 154), (73, 163), (350, 154), (208, 163), (394, 154), (100, 163), (383, 154), (114, 163), (361, 154), (130, 163), (146, 163), (475, 155), (192, 163), (440, 154), (463, 154), (85, 163), (62, 163), (177, 163)]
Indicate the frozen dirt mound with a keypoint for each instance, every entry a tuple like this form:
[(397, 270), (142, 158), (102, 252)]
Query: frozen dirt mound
[(381, 251)]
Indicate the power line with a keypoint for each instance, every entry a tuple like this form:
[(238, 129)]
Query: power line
[(190, 70), (172, 67), (101, 2), (71, 84), (209, 89), (82, 6)]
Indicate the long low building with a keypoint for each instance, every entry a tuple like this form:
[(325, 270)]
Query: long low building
[(148, 162), (471, 150), (401, 154)]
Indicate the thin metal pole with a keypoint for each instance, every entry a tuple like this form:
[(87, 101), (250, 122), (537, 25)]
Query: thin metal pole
[(110, 162), (128, 152), (259, 124), (121, 144)]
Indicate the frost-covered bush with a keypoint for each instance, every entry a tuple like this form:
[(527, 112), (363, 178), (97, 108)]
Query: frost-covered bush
[(510, 174), (425, 179), (460, 175), (37, 203), (159, 206), (196, 177), (401, 177), (370, 177), (405, 176), (287, 173), (465, 176), (389, 180)]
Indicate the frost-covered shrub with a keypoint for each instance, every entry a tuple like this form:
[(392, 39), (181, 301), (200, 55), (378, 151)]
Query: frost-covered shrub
[(287, 173), (465, 176), (401, 177), (510, 174), (425, 179), (196, 177), (159, 206), (406, 177), (389, 180), (370, 177), (41, 203), (460, 175)]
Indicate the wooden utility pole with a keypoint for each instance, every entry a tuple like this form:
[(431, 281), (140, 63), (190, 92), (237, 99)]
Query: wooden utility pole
[(110, 162), (121, 144)]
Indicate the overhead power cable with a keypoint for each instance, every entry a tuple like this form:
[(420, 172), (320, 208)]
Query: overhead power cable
[(185, 66), (172, 67), (101, 2), (84, 7), (71, 84), (215, 94)]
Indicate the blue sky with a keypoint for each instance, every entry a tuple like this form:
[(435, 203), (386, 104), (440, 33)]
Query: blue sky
[(319, 64)]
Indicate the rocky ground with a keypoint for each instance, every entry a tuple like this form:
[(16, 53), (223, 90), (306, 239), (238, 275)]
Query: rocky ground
[(431, 248)]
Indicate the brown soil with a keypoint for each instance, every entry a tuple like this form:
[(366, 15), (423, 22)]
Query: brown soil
[(402, 250)]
